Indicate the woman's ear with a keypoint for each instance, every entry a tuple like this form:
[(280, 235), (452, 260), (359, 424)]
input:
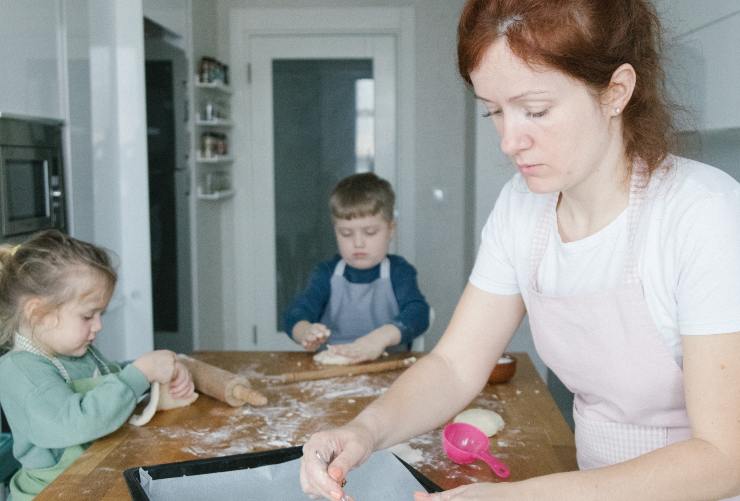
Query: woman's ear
[(620, 89)]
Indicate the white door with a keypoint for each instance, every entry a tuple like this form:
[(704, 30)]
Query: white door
[(322, 108)]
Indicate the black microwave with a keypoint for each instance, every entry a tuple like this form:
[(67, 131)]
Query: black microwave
[(31, 176)]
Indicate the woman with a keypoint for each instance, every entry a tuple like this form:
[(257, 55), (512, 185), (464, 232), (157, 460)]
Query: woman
[(626, 259)]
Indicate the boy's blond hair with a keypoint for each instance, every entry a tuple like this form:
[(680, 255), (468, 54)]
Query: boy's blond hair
[(361, 195)]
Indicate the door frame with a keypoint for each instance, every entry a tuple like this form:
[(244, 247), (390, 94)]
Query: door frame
[(247, 23)]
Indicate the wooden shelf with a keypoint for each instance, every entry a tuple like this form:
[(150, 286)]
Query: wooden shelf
[(213, 160), (216, 86), (214, 123), (218, 195)]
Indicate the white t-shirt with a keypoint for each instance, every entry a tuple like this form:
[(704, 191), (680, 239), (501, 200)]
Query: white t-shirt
[(687, 244)]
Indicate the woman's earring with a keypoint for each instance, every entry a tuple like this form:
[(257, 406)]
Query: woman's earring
[(617, 110)]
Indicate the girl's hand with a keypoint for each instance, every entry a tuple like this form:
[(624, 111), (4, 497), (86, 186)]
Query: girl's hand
[(473, 492), (181, 385), (329, 455), (312, 336), (157, 365)]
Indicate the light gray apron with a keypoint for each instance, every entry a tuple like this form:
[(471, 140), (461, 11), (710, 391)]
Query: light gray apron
[(605, 347), (356, 309)]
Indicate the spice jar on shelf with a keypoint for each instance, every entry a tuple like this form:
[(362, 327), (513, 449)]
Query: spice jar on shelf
[(213, 145), (211, 70)]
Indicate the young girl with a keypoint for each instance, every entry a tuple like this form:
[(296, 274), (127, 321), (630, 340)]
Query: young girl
[(57, 390)]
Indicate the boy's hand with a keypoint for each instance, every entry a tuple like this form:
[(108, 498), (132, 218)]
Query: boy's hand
[(369, 346), (181, 385), (157, 365), (311, 336)]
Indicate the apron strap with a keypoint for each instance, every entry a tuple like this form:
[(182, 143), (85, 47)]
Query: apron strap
[(541, 236), (385, 268), (638, 189), (339, 268), (22, 343), (104, 369)]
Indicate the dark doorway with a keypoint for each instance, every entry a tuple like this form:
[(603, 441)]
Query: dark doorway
[(169, 189), (160, 120)]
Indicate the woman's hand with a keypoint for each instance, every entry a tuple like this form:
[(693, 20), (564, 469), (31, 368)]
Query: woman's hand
[(311, 336), (157, 365), (181, 385), (472, 492), (329, 455), (369, 346)]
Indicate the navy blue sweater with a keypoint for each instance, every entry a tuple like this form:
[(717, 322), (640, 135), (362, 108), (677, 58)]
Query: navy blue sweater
[(413, 316)]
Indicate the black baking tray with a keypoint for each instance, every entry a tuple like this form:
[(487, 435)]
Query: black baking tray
[(230, 463)]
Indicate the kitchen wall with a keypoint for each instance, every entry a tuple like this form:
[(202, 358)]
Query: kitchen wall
[(703, 69)]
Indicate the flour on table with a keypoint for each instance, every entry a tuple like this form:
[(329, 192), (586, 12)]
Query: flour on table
[(489, 422), (407, 453)]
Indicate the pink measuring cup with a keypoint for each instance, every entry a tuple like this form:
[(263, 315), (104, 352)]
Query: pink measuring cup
[(464, 443)]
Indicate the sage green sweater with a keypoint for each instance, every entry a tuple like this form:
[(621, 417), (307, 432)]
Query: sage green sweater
[(46, 416)]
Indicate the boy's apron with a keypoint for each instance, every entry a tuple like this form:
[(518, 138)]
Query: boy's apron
[(29, 482), (604, 346), (356, 309)]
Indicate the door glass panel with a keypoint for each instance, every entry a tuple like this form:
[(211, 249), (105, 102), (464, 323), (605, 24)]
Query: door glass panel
[(324, 124)]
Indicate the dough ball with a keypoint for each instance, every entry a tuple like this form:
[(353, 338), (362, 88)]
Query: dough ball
[(489, 422), (328, 358)]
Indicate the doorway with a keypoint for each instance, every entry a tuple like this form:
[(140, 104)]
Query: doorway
[(169, 191), (323, 107)]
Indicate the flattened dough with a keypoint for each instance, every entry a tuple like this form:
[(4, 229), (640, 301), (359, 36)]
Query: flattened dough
[(160, 399), (328, 358), (489, 422), (149, 410)]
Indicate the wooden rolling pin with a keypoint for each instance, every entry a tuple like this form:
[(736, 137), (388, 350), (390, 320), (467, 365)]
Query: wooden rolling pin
[(221, 384), (343, 370)]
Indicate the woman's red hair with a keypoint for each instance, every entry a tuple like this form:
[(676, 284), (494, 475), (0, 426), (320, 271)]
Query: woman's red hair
[(588, 40)]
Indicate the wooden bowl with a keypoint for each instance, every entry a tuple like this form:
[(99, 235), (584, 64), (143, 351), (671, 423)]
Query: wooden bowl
[(504, 369)]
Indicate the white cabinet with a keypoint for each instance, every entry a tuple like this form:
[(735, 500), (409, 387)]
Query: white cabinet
[(213, 131), (31, 58)]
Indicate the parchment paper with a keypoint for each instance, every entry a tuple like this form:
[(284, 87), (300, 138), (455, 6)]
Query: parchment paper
[(381, 478)]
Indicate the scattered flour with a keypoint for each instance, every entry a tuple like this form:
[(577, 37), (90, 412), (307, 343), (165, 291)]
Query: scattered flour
[(407, 453)]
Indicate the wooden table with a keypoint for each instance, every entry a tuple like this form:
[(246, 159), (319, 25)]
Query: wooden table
[(535, 441)]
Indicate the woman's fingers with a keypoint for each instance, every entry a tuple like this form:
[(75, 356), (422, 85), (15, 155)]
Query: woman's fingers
[(315, 479)]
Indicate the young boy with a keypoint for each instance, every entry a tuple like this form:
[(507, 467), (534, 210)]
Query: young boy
[(363, 300)]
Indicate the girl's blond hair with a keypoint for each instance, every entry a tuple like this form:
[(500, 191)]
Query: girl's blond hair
[(49, 266)]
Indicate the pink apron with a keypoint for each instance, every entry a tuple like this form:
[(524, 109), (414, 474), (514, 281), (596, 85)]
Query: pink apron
[(605, 348)]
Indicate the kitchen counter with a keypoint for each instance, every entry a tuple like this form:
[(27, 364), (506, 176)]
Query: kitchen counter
[(535, 441)]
